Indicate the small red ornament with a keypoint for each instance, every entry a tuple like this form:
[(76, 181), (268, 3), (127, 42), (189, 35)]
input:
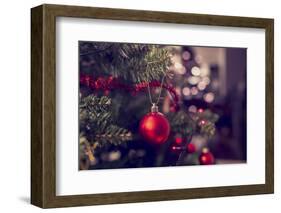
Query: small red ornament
[(206, 157), (178, 140), (154, 127), (191, 148)]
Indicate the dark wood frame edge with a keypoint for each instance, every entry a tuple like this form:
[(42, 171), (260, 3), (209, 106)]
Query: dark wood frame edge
[(43, 105)]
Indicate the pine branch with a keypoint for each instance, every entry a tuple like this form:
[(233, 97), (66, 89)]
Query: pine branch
[(209, 115), (114, 135), (96, 120), (94, 50), (158, 62), (132, 62), (182, 123), (206, 121), (208, 129), (190, 123), (95, 113)]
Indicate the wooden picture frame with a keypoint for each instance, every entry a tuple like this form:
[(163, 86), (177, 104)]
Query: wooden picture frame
[(43, 105)]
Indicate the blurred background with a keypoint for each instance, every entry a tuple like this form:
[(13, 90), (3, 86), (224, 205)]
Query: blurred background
[(215, 78)]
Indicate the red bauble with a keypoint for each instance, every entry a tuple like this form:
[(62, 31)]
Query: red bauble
[(190, 148), (178, 140), (154, 128), (206, 157)]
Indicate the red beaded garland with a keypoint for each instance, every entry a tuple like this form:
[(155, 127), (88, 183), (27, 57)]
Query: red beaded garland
[(111, 83)]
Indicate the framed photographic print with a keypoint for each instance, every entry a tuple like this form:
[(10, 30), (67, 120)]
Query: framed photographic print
[(136, 106)]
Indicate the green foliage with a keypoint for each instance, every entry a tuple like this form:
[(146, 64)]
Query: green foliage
[(188, 124), (95, 113), (158, 62), (210, 118), (114, 135), (134, 63), (208, 115), (209, 129), (182, 123), (96, 120)]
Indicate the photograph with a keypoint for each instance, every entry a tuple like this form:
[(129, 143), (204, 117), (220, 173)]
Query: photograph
[(160, 105)]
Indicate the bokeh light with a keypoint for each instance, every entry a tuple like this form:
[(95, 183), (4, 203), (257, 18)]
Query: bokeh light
[(179, 68), (186, 55), (201, 85), (195, 71), (194, 91), (186, 91), (192, 108), (209, 97), (206, 80), (193, 80)]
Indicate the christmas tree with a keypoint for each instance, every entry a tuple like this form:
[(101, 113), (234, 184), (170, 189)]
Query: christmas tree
[(120, 84)]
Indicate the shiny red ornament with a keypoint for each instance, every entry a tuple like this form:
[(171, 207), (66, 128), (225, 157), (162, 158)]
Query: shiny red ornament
[(206, 157), (154, 127), (190, 148), (178, 140)]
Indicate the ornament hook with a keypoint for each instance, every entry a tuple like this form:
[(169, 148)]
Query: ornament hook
[(154, 107)]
